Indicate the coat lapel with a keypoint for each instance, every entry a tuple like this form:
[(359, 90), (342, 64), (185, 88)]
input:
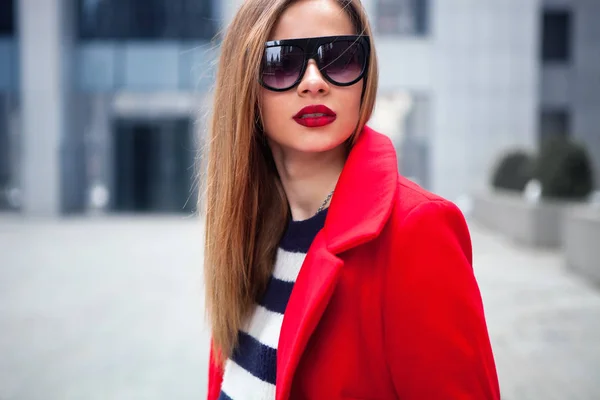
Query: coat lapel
[(310, 296), (361, 204)]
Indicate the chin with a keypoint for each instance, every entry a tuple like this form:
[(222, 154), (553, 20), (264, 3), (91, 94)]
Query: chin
[(315, 146), (320, 139), (310, 140)]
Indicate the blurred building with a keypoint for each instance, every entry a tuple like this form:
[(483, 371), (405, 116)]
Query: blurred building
[(100, 99), (483, 77)]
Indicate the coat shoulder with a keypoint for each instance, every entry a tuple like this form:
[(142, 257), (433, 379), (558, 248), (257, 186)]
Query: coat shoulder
[(421, 215), (410, 195)]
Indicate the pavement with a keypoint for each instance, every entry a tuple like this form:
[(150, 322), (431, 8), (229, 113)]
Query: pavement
[(112, 308), (544, 321)]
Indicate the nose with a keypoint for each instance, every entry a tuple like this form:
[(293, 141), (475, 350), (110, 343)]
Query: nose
[(313, 81)]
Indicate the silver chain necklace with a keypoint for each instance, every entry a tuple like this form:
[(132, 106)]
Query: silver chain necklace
[(325, 202)]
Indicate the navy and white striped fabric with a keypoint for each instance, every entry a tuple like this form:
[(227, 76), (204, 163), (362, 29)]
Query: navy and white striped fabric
[(252, 370)]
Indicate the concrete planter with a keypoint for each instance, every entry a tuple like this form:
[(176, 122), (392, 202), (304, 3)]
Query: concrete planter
[(532, 224), (582, 241)]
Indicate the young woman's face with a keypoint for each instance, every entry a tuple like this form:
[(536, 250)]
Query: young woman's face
[(285, 128)]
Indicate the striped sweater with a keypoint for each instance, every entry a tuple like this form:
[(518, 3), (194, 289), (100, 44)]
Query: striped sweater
[(251, 372)]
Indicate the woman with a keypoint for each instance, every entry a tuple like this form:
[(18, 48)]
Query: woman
[(301, 194)]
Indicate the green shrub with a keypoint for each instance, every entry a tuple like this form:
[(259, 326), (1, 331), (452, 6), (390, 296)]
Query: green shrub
[(513, 171), (564, 169)]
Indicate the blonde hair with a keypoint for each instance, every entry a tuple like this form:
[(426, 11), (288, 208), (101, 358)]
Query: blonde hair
[(246, 207)]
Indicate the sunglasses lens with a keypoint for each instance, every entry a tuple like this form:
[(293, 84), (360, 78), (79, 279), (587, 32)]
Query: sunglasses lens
[(343, 61), (282, 66)]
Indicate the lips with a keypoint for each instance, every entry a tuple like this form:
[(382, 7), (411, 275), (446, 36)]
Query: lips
[(315, 116)]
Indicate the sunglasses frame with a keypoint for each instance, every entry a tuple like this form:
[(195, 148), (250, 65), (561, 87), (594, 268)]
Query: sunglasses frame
[(310, 46)]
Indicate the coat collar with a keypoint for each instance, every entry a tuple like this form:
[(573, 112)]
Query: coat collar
[(363, 197), (361, 205)]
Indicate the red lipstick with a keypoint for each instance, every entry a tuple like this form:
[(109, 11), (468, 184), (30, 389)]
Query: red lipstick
[(315, 116)]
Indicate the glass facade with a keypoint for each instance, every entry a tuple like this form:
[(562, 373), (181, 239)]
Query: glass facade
[(402, 17), (146, 19), (146, 45)]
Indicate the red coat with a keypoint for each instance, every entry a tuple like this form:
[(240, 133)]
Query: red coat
[(386, 305)]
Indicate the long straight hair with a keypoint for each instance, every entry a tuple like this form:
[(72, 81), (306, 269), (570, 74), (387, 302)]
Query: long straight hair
[(246, 207)]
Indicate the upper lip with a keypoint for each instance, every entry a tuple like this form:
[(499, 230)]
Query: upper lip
[(315, 109)]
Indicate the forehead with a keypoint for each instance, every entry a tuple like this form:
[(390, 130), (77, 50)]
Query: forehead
[(311, 18)]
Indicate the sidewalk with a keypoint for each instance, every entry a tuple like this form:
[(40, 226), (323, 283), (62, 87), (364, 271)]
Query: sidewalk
[(102, 309), (543, 320), (112, 309)]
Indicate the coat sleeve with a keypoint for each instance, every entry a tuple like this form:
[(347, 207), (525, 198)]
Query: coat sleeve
[(215, 376), (435, 335)]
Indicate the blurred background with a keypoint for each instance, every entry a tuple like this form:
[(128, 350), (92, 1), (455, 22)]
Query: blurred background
[(493, 104)]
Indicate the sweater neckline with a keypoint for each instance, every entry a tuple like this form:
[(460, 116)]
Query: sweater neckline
[(299, 234)]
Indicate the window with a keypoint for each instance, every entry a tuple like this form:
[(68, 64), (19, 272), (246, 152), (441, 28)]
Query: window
[(556, 36), (402, 17), (146, 19), (554, 123), (7, 17)]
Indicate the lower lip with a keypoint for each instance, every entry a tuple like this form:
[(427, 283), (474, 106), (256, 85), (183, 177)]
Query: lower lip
[(315, 122)]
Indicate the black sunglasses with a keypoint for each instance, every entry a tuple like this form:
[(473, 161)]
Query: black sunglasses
[(342, 60)]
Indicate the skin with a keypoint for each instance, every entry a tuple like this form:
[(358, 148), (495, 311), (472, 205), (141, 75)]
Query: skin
[(310, 160)]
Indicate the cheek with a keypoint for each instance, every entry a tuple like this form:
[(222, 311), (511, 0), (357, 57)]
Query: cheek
[(350, 103)]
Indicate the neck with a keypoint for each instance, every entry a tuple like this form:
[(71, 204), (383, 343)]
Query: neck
[(308, 178)]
